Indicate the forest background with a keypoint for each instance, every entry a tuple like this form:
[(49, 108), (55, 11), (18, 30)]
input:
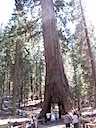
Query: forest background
[(25, 61)]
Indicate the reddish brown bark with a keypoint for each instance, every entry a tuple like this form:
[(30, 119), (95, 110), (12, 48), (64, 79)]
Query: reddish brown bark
[(17, 77), (89, 49), (56, 81), (88, 44)]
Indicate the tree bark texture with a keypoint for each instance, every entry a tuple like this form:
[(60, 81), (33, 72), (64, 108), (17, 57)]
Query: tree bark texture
[(89, 49), (56, 84), (17, 75)]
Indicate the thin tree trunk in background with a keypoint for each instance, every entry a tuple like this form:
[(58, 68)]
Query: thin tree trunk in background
[(56, 82), (17, 76), (2, 93), (14, 93), (77, 98), (40, 94), (89, 49)]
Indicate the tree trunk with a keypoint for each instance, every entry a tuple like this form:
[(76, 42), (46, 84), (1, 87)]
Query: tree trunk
[(89, 49), (17, 77), (56, 84), (2, 94)]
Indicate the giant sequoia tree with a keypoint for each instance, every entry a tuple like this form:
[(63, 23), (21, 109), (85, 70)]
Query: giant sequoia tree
[(56, 85)]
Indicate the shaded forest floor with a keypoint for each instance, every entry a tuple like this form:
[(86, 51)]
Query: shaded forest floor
[(34, 107)]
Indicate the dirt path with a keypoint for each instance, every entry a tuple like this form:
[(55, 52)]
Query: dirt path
[(52, 126), (59, 125)]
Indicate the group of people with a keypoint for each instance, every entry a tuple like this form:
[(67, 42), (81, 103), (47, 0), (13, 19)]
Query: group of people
[(74, 119), (67, 119), (48, 116)]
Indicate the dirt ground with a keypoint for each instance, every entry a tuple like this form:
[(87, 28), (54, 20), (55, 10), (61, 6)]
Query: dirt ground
[(34, 107)]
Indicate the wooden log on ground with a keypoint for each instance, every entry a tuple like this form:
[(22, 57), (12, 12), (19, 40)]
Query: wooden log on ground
[(8, 123), (90, 125), (83, 121), (23, 125)]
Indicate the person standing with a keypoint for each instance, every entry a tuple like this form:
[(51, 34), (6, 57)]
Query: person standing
[(67, 120), (56, 116), (32, 122), (35, 121), (48, 118), (75, 120)]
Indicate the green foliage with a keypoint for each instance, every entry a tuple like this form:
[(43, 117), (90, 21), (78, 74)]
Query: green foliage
[(25, 24), (28, 31), (74, 48)]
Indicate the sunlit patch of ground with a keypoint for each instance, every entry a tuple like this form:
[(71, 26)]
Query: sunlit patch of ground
[(54, 126), (60, 125)]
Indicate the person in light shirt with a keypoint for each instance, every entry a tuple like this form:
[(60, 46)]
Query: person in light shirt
[(75, 120), (48, 117), (67, 119)]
